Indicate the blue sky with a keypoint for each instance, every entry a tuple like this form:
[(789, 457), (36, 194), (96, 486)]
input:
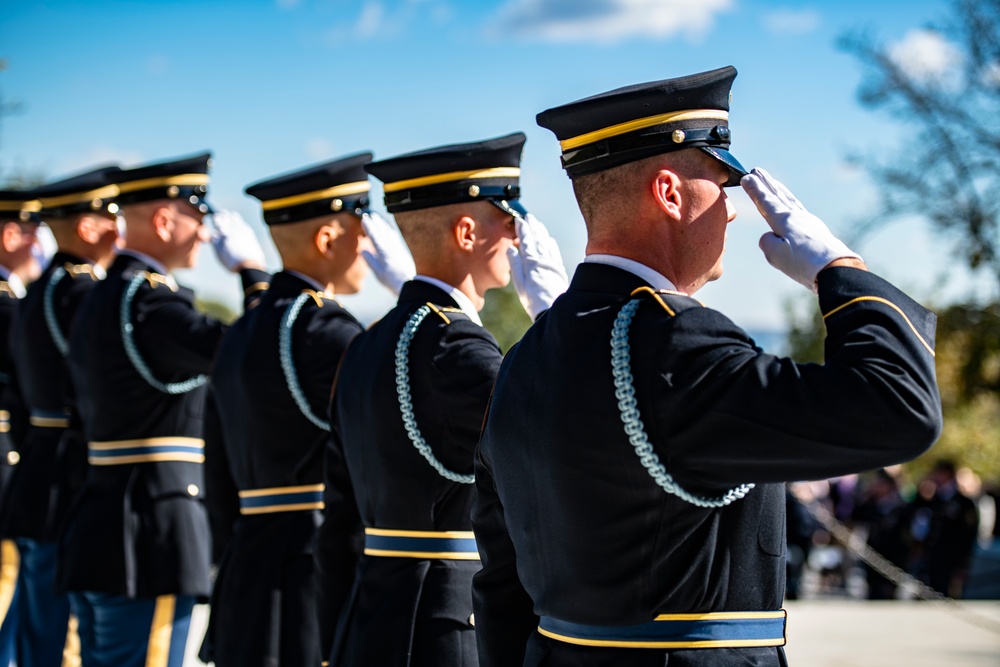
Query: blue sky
[(273, 85)]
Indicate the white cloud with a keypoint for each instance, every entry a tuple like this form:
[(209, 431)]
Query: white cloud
[(791, 21), (607, 20), (990, 75), (318, 148), (925, 56), (370, 21)]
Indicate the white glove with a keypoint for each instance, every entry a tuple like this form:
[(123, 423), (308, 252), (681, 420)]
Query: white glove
[(45, 246), (391, 261), (536, 266), (799, 244), (234, 241)]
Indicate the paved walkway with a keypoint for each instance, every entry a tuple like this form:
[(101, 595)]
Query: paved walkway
[(853, 633)]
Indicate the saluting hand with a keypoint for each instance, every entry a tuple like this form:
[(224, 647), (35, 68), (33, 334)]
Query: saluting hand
[(536, 266), (235, 243), (800, 245), (391, 261)]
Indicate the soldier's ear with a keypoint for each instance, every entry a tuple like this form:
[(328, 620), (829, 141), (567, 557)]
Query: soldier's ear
[(10, 236), (665, 187), (324, 237), (464, 232), (86, 229), (163, 223)]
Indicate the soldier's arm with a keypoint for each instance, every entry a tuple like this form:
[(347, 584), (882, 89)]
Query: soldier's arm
[(339, 539), (737, 415), (221, 495), (503, 610)]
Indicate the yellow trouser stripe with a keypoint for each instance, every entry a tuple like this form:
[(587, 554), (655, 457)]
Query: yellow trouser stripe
[(10, 559), (158, 650)]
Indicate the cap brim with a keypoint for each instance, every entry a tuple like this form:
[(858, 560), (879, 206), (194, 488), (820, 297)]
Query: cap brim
[(511, 207), (736, 170)]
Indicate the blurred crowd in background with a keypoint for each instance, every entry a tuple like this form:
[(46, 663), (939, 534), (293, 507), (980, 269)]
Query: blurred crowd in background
[(941, 529)]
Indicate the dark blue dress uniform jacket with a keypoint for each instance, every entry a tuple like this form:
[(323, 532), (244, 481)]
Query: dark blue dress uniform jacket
[(571, 525), (140, 529), (53, 458), (408, 611), (13, 415), (265, 601)]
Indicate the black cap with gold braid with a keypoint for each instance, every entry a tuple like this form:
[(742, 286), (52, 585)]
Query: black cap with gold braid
[(19, 205), (93, 191), (480, 171), (185, 179), (636, 122), (322, 189)]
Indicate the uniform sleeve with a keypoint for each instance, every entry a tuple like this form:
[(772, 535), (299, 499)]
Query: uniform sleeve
[(221, 495), (734, 414), (503, 610), (339, 540), (465, 368), (167, 327), (255, 284)]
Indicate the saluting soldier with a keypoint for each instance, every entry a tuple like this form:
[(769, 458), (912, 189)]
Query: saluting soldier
[(630, 506), (81, 212), (267, 414), (135, 552), (409, 400), (18, 237)]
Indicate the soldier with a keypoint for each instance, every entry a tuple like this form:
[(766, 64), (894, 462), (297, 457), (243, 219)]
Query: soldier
[(409, 401), (135, 551), (267, 414), (617, 514), (18, 239), (81, 212)]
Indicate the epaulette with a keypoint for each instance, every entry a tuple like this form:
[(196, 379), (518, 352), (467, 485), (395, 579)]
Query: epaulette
[(157, 279), (256, 287), (319, 297), (5, 288), (442, 310), (671, 301), (76, 270)]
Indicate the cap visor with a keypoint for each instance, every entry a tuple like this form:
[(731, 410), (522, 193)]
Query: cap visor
[(736, 170), (511, 207)]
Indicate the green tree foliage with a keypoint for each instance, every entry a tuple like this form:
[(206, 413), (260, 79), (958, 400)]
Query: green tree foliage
[(944, 90), (968, 370), (942, 87), (504, 317), (216, 309)]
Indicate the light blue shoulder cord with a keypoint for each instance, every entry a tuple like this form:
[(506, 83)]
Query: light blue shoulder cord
[(634, 429), (406, 400), (132, 351), (288, 363), (50, 312)]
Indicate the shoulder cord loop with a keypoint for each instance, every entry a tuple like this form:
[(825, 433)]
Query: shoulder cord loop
[(406, 400), (288, 363), (634, 429), (132, 351), (48, 307)]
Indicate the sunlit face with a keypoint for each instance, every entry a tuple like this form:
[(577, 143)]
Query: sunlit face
[(706, 211), (187, 234), (349, 266), (495, 235)]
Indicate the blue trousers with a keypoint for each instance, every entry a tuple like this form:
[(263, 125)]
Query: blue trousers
[(43, 614), (8, 601), (123, 632)]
